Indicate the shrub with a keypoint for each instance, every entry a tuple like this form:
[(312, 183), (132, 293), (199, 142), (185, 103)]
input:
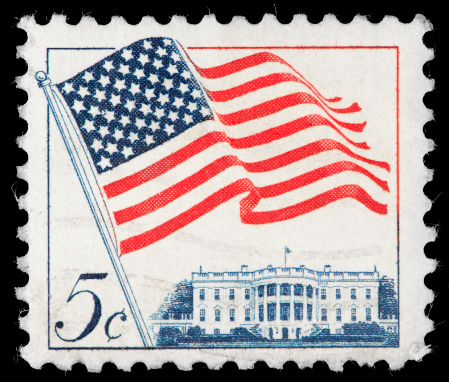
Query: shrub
[(168, 336)]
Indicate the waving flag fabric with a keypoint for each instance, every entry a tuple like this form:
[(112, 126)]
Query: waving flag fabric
[(171, 141)]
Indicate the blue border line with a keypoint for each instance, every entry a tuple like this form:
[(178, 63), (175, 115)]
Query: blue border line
[(144, 348)]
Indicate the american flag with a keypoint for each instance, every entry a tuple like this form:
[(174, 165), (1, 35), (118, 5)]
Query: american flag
[(171, 141)]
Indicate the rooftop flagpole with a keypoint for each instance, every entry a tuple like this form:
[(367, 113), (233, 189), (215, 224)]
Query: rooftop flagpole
[(86, 176)]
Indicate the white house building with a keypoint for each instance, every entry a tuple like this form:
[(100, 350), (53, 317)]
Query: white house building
[(283, 302)]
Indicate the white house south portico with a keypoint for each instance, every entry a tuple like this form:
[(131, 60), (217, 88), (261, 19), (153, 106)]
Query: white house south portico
[(283, 302)]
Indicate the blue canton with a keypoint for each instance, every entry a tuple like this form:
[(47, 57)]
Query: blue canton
[(134, 100)]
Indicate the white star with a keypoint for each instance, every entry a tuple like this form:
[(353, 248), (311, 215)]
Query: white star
[(109, 115), (192, 106), (78, 106), (159, 113), (68, 88), (186, 74), (103, 131), (124, 69), (143, 58), (130, 105), (140, 123), (168, 84), (172, 69), (161, 52), (124, 120), (158, 64), (89, 126), (120, 84), (167, 41), (118, 134), (153, 78), (108, 65), (175, 57), (105, 162), (127, 54), (204, 112), (149, 139), (133, 137), (104, 80), (149, 93), (147, 45), (83, 91), (173, 116), (111, 148), (178, 102), (188, 119), (115, 99), (139, 73), (88, 76), (163, 99), (196, 93), (134, 89), (96, 145), (170, 129), (99, 95), (146, 109), (94, 111), (184, 88), (154, 125), (127, 152)]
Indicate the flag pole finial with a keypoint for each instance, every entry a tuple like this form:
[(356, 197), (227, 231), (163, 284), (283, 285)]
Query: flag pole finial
[(42, 78)]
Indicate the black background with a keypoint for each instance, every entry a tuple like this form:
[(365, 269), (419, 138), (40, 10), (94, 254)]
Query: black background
[(12, 338)]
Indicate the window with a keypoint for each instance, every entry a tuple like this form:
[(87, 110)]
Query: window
[(247, 314), (217, 294), (309, 291), (271, 312), (232, 315), (285, 289), (324, 314), (353, 294), (316, 292), (261, 312), (309, 312), (298, 311), (323, 294), (231, 294), (217, 315), (247, 294), (368, 314), (202, 294), (338, 331), (202, 314), (260, 289), (285, 311), (368, 294), (353, 314), (216, 331), (338, 311), (299, 290), (271, 290), (338, 294), (298, 333)]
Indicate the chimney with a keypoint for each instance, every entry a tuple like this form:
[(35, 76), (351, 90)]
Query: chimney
[(244, 268), (327, 268), (201, 269)]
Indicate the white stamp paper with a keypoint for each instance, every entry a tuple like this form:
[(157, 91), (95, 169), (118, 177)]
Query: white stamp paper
[(212, 193)]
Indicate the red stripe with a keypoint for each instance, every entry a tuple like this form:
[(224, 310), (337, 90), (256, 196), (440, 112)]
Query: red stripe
[(208, 172), (247, 214), (278, 104), (263, 82), (251, 61), (164, 165), (208, 140)]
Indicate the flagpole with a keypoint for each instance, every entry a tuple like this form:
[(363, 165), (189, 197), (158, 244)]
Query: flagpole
[(85, 172)]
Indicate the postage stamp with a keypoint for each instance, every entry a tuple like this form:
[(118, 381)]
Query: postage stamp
[(212, 193)]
